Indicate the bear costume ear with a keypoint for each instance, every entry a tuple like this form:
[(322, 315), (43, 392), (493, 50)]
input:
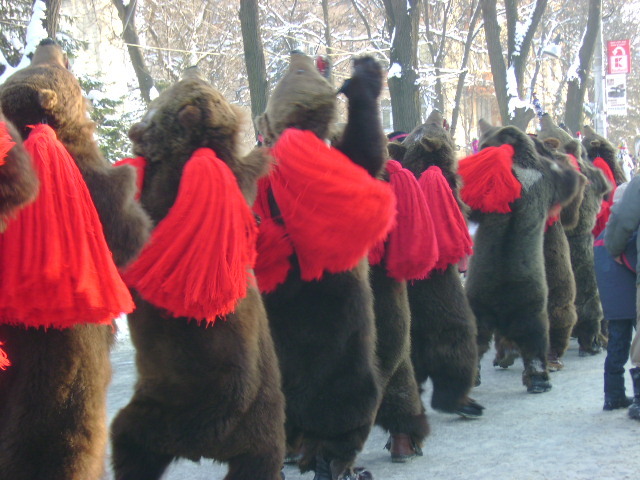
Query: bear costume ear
[(397, 151), (431, 144), (189, 116), (48, 99), (552, 143)]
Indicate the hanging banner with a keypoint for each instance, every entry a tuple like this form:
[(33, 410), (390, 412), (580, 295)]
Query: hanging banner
[(619, 55), (616, 88)]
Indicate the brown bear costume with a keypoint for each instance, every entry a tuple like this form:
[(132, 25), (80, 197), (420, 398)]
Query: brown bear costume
[(323, 324), (53, 409), (443, 327), (506, 283), (206, 387), (588, 308)]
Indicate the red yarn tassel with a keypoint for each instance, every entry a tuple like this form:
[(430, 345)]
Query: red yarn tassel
[(6, 142), (197, 262), (574, 161), (489, 183), (454, 241), (140, 164), (333, 210), (411, 249), (605, 209), (57, 270), (4, 360), (273, 246)]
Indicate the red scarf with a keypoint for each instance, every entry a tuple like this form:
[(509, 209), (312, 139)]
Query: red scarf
[(57, 270), (197, 262), (411, 249), (6, 142), (332, 209), (489, 183), (454, 241)]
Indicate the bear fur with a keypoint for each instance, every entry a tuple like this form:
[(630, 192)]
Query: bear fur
[(597, 146), (203, 391), (443, 327), (54, 394), (324, 330), (506, 283), (588, 308), (18, 181)]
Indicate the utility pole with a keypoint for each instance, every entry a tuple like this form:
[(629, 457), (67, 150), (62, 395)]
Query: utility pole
[(600, 117)]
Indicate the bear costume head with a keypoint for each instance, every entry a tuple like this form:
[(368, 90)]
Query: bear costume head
[(596, 146), (302, 99)]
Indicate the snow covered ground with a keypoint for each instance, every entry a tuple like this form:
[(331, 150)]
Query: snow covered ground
[(559, 435)]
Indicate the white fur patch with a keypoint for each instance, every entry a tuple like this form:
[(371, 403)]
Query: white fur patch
[(527, 176)]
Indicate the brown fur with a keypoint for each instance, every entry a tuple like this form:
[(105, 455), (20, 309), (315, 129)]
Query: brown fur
[(202, 392), (18, 180), (54, 396)]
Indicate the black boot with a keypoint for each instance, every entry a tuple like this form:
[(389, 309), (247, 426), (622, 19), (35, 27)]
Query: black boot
[(614, 394), (634, 409)]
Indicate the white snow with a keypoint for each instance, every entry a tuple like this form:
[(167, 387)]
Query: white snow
[(395, 71), (560, 435)]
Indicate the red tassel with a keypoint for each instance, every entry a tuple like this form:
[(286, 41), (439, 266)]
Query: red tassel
[(489, 184), (140, 164), (411, 250), (574, 161), (197, 262), (6, 142), (57, 270), (4, 360), (333, 210), (454, 241), (274, 246), (605, 209)]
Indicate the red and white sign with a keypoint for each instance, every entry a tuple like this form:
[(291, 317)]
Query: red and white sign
[(619, 54)]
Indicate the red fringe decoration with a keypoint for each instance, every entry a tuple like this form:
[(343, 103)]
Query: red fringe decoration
[(574, 161), (4, 360), (333, 210), (274, 246), (411, 249), (57, 270), (140, 164), (6, 142), (454, 241), (605, 210), (489, 184), (197, 262)]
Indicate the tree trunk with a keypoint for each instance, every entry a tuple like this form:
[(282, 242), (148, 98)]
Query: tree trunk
[(127, 14), (52, 17), (254, 57), (327, 39), (475, 13), (403, 17), (498, 69), (576, 89)]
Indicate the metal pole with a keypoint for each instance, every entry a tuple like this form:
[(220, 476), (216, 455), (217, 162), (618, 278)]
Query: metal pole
[(600, 118)]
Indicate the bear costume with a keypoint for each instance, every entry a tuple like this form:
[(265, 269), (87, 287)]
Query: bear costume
[(60, 289), (208, 383), (588, 308), (511, 191), (316, 285), (443, 327)]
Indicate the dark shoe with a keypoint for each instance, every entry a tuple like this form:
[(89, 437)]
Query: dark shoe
[(554, 363), (402, 448), (322, 469), (471, 409), (358, 473), (634, 409), (593, 348), (537, 383), (506, 357), (614, 403)]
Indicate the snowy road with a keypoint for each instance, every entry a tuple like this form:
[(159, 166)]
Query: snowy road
[(559, 435)]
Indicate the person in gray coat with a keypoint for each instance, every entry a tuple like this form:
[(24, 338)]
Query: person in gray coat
[(623, 223)]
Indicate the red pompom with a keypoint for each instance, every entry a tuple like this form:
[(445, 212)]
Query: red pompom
[(454, 241), (605, 209), (411, 249), (6, 142), (332, 209), (197, 262), (489, 183), (57, 270)]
